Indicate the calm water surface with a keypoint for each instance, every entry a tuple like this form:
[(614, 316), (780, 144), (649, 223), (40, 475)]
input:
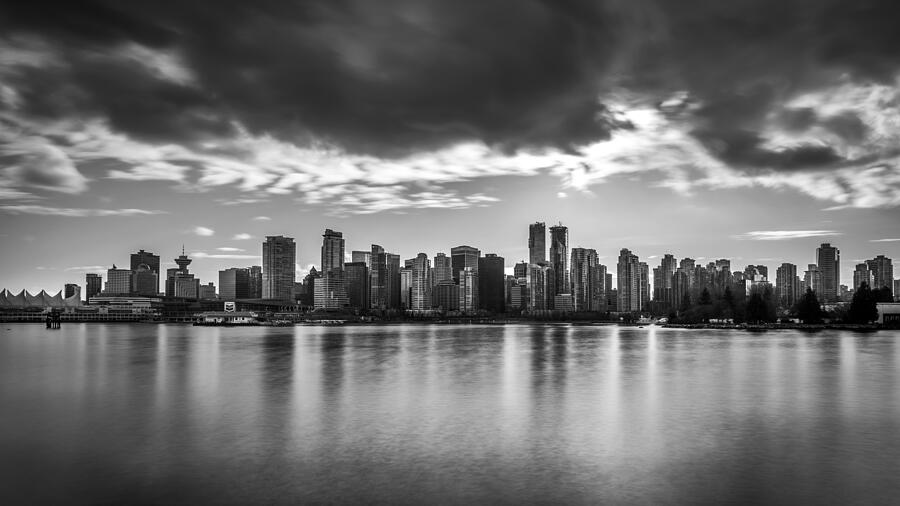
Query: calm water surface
[(447, 414)]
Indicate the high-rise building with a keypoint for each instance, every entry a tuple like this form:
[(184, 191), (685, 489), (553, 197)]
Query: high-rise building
[(787, 285), (330, 291), (255, 282), (378, 275), (588, 290), (861, 275), (828, 258), (468, 290), (537, 243), (356, 277), (180, 282), (279, 267), (645, 286), (882, 270), (680, 289), (559, 257), (93, 285), (491, 283), (812, 279), (405, 287), (361, 256), (443, 269), (118, 281), (234, 283), (897, 290), (462, 257), (152, 262), (71, 290), (540, 283), (421, 283), (144, 281), (663, 288), (392, 288), (446, 296), (309, 287), (628, 281)]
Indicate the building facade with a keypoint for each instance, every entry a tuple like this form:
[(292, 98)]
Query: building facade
[(828, 259), (537, 243), (279, 267), (492, 283)]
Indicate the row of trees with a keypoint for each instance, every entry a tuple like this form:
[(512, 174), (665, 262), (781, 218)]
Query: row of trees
[(759, 307)]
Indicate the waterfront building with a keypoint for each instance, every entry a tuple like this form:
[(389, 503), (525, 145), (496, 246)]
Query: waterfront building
[(882, 270), (234, 283), (663, 279), (681, 289), (468, 290), (446, 296), (812, 279), (405, 287), (537, 243), (491, 283), (152, 262), (378, 278), (828, 259), (72, 290), (279, 267), (563, 302), (861, 275), (559, 257), (645, 286), (540, 283), (628, 281), (392, 288), (356, 277), (361, 256), (462, 257), (331, 292), (93, 285), (144, 281), (254, 282), (118, 281), (588, 292)]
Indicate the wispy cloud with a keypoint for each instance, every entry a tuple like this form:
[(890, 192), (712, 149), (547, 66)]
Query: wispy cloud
[(891, 239), (75, 212), (782, 235), (229, 249), (228, 256), (204, 231), (87, 268), (242, 237), (262, 218)]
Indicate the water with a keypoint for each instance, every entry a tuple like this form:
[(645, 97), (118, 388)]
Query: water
[(513, 414)]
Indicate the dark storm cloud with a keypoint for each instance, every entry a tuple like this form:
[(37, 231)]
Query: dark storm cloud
[(396, 77)]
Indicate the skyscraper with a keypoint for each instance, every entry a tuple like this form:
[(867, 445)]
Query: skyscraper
[(144, 280), (356, 278), (254, 283), (663, 281), (392, 288), (537, 243), (330, 291), (491, 283), (278, 268), (361, 256), (559, 257), (586, 279), (378, 276), (405, 287), (462, 257), (443, 269), (812, 279), (152, 262), (234, 284), (71, 290), (645, 286), (468, 290), (420, 289), (828, 258), (540, 286), (93, 285), (787, 285), (882, 270), (118, 281), (628, 281)]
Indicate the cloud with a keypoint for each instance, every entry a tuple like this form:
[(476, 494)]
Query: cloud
[(781, 235), (204, 231), (262, 218), (87, 268), (41, 165), (223, 256), (886, 240), (561, 195), (75, 212), (228, 248), (242, 237)]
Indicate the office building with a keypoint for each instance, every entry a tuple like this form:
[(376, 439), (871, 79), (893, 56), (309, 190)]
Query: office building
[(828, 259), (559, 257), (446, 296), (882, 270), (378, 278), (361, 256), (93, 285), (356, 278), (492, 283), (443, 269), (144, 281), (208, 291), (118, 281), (462, 257), (405, 287), (254, 282), (645, 286), (331, 292), (279, 267), (392, 288), (468, 290), (541, 286), (234, 283), (72, 290), (588, 281), (787, 285), (537, 243), (152, 262), (812, 279), (421, 283)]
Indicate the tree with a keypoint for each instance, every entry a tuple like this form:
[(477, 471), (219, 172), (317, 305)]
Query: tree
[(863, 308), (705, 297), (808, 308), (756, 308)]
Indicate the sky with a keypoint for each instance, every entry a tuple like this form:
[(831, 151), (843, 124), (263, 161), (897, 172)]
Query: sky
[(750, 129)]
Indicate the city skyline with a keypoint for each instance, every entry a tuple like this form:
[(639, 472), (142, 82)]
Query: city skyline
[(138, 122)]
